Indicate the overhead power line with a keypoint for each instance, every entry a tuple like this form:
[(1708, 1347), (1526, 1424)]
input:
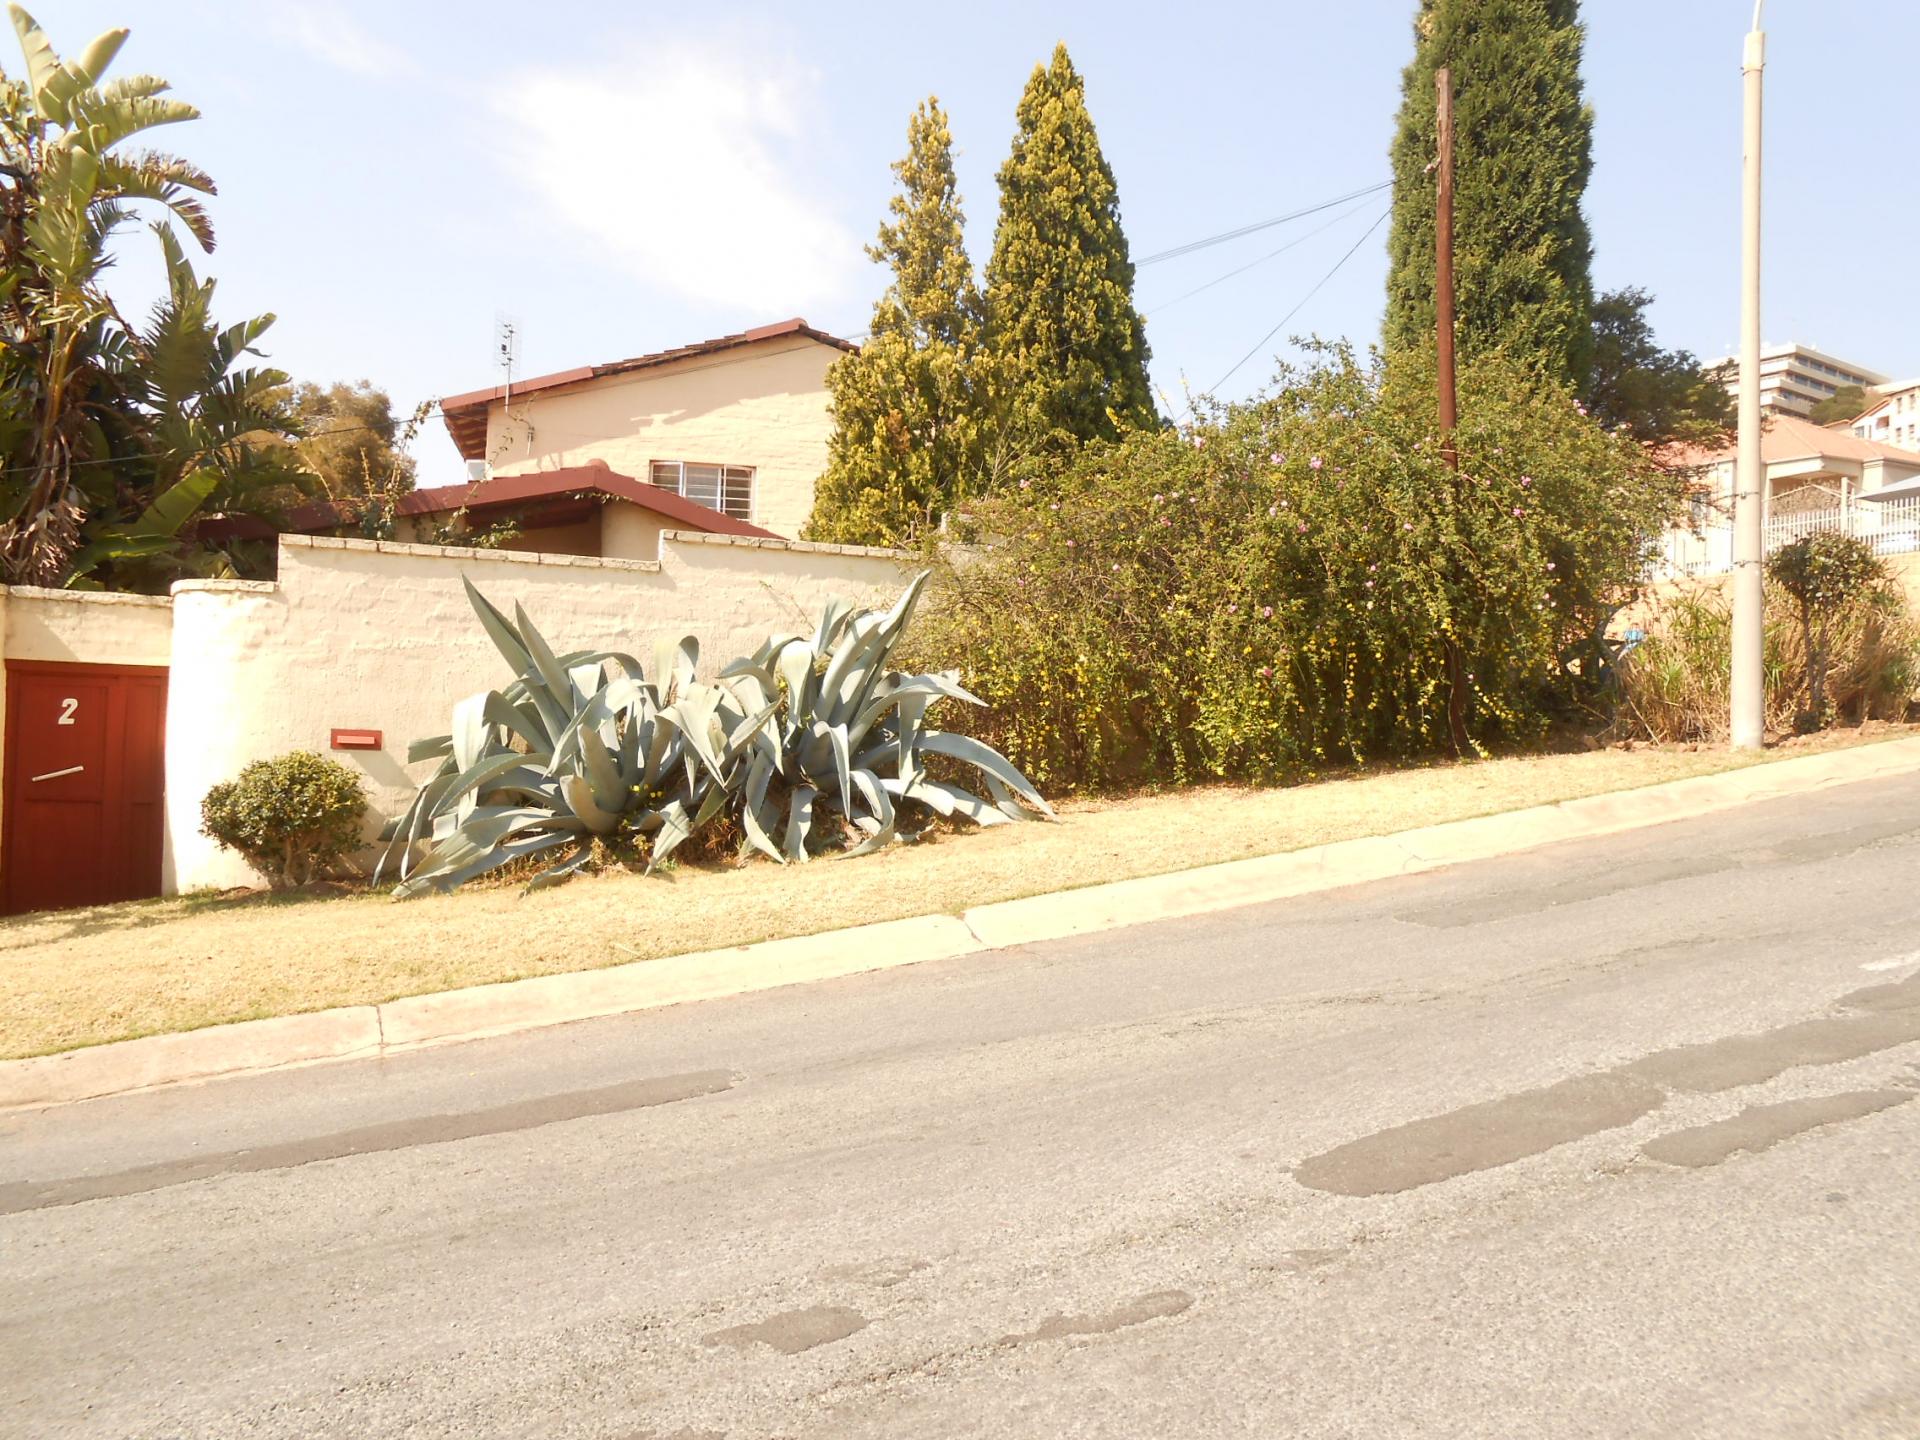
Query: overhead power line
[(1261, 342), (1252, 264), (1258, 225)]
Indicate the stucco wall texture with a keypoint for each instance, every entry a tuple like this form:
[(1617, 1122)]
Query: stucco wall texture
[(374, 635), (765, 406)]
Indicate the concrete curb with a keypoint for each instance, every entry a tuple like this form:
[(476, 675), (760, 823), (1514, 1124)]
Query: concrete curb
[(483, 1010)]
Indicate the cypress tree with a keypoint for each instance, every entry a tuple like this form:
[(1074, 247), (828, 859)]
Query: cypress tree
[(1523, 151), (1069, 349), (906, 444)]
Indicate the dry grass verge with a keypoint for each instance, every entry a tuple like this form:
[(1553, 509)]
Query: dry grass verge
[(84, 977)]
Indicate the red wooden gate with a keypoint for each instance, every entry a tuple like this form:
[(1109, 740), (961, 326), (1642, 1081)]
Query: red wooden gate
[(85, 775)]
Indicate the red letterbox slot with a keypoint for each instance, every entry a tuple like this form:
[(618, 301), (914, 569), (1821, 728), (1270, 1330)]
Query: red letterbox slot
[(355, 740)]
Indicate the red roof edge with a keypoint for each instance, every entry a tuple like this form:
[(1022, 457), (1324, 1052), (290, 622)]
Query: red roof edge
[(538, 485)]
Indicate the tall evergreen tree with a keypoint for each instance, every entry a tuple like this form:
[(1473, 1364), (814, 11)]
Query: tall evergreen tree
[(1523, 143), (908, 431), (1069, 349)]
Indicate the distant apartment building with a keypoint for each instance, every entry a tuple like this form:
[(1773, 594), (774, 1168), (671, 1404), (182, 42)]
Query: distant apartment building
[(1894, 418), (1795, 378)]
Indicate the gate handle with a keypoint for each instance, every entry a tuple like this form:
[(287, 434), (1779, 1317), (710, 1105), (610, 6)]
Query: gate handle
[(56, 774)]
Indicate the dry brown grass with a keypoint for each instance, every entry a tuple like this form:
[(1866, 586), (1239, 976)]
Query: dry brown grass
[(83, 977)]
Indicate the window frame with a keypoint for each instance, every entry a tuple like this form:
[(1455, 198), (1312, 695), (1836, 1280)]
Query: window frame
[(728, 473)]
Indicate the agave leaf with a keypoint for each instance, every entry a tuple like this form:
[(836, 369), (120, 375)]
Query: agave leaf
[(475, 780), (799, 822), (481, 862), (674, 663), (794, 664), (987, 759), (546, 663), (555, 874), (842, 767), (431, 748), (673, 831), (506, 639), (832, 616), (578, 792), (609, 790), (758, 777), (958, 801), (469, 730)]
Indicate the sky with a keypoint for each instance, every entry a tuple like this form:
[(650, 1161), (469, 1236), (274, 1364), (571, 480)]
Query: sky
[(395, 179)]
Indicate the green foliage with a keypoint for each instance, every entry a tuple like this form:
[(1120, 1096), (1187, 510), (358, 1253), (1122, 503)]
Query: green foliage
[(1275, 590), (350, 440), (583, 750), (101, 423), (1658, 396), (293, 817), (1675, 684), (909, 437), (1845, 403), (1825, 574), (1522, 156), (1069, 348)]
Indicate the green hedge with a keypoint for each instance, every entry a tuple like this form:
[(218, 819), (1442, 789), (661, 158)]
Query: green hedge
[(293, 817), (1278, 586)]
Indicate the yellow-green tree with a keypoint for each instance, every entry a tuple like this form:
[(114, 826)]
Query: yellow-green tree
[(908, 439), (1069, 348)]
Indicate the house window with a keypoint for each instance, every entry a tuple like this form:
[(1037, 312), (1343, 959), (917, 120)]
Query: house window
[(726, 488)]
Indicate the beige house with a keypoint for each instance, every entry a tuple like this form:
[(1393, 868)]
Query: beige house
[(727, 436), (1817, 476)]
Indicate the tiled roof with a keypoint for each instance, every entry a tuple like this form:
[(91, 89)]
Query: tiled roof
[(466, 415), (1788, 437)]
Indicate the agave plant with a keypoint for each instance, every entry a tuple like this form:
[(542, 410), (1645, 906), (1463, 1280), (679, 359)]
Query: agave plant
[(847, 731), (578, 748), (581, 747)]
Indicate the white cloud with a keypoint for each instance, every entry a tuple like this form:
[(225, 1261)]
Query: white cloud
[(329, 34), (680, 163)]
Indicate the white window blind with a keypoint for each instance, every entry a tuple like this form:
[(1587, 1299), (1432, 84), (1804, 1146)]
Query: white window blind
[(726, 488)]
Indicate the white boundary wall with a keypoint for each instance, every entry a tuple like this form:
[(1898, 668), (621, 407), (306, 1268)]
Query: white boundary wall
[(359, 634)]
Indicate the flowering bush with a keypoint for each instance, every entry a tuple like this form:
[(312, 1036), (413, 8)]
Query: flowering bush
[(1297, 581)]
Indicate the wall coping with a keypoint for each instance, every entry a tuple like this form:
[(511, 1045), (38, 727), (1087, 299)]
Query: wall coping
[(804, 547), (225, 587), (466, 552), (88, 597)]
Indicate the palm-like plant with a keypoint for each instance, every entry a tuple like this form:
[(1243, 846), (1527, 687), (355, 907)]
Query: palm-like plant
[(73, 372)]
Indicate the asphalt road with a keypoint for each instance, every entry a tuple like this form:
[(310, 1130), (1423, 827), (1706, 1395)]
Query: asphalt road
[(1611, 1139)]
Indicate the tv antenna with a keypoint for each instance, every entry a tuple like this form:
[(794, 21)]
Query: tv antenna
[(506, 349)]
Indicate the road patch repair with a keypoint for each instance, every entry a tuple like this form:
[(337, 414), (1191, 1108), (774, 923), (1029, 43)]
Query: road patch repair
[(19, 1196), (1498, 1132), (475, 1012)]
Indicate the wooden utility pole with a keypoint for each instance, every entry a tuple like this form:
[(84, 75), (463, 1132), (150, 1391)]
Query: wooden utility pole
[(1443, 270), (1449, 401)]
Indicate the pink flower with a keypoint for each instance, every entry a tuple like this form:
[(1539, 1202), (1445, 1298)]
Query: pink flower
[(1233, 609), (1518, 511), (1369, 584), (1266, 612), (1581, 408), (1054, 506), (1277, 458), (1314, 463), (1026, 484), (1550, 565), (1526, 480), (1303, 527), (1070, 544), (1407, 526), (1266, 672), (1158, 497)]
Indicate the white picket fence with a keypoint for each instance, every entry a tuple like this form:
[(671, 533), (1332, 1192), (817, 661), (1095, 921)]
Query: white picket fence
[(1892, 527)]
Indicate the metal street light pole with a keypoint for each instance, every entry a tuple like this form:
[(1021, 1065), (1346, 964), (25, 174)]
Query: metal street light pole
[(1750, 483)]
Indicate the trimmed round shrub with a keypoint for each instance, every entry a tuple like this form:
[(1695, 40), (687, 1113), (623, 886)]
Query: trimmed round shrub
[(293, 817)]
